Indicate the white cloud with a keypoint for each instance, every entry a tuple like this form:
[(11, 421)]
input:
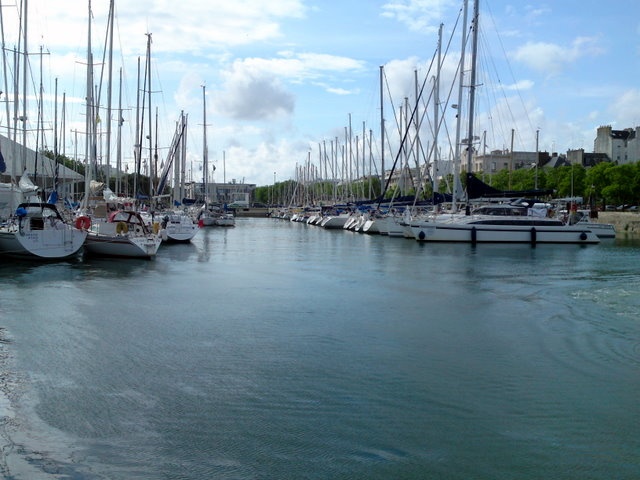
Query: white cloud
[(186, 26), (624, 109), (551, 58), (253, 94), (419, 15), (255, 88)]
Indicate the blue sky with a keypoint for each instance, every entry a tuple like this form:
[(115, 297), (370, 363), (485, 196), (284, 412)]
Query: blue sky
[(283, 76)]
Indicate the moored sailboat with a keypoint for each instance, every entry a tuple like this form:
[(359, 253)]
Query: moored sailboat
[(177, 227), (501, 224), (122, 233)]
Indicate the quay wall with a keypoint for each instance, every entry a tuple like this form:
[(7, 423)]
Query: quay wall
[(625, 222)]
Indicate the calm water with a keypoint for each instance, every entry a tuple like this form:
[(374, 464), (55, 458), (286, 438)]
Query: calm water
[(277, 350)]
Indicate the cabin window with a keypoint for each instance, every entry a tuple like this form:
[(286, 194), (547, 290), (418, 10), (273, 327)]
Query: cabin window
[(37, 223)]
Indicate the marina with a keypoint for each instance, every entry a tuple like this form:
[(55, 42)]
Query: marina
[(468, 310), (278, 349)]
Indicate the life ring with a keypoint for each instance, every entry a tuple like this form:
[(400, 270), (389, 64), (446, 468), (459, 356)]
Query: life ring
[(121, 228), (83, 223)]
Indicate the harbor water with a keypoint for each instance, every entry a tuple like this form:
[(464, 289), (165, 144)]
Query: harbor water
[(279, 350)]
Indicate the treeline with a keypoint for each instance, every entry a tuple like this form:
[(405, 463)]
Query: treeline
[(604, 183)]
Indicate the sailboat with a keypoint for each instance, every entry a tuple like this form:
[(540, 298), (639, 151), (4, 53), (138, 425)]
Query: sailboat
[(112, 231), (119, 233), (30, 227), (36, 230), (505, 224), (210, 215), (176, 226)]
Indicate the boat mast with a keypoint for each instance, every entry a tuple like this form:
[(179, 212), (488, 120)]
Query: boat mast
[(25, 68), (90, 118), (119, 138), (457, 163), (205, 152), (151, 164), (472, 96), (381, 129), (137, 152), (109, 92), (436, 117)]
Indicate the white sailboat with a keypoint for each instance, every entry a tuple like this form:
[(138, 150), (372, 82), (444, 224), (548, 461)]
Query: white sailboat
[(486, 224), (36, 230), (122, 233), (210, 215), (30, 227), (177, 227), (112, 232)]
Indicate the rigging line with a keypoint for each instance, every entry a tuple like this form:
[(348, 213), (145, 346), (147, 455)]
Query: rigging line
[(506, 58), (403, 140)]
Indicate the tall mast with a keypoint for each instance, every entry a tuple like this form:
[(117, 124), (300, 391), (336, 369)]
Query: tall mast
[(137, 152), (151, 165), (457, 163), (25, 68), (205, 152), (436, 116), (381, 130), (119, 138), (6, 89), (472, 94), (90, 119), (109, 91)]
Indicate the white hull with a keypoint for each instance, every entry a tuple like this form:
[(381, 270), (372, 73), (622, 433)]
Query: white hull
[(337, 221), (178, 236), (504, 230), (178, 228), (217, 220), (45, 244), (121, 246), (123, 235), (40, 233), (226, 221)]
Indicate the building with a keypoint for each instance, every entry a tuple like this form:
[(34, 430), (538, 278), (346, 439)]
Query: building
[(620, 146), (586, 159), (498, 160), (222, 193)]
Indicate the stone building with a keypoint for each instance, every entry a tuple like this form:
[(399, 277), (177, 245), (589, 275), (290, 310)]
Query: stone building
[(620, 146)]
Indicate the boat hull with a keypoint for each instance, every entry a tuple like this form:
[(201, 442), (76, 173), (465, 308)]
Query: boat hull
[(483, 233), (121, 246), (44, 244)]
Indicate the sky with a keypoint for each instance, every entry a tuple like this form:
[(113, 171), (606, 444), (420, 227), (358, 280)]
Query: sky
[(286, 81)]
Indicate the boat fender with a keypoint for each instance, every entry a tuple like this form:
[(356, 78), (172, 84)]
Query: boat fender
[(163, 235), (121, 228), (21, 212), (583, 236), (421, 235), (83, 222), (474, 235), (533, 236), (156, 227)]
